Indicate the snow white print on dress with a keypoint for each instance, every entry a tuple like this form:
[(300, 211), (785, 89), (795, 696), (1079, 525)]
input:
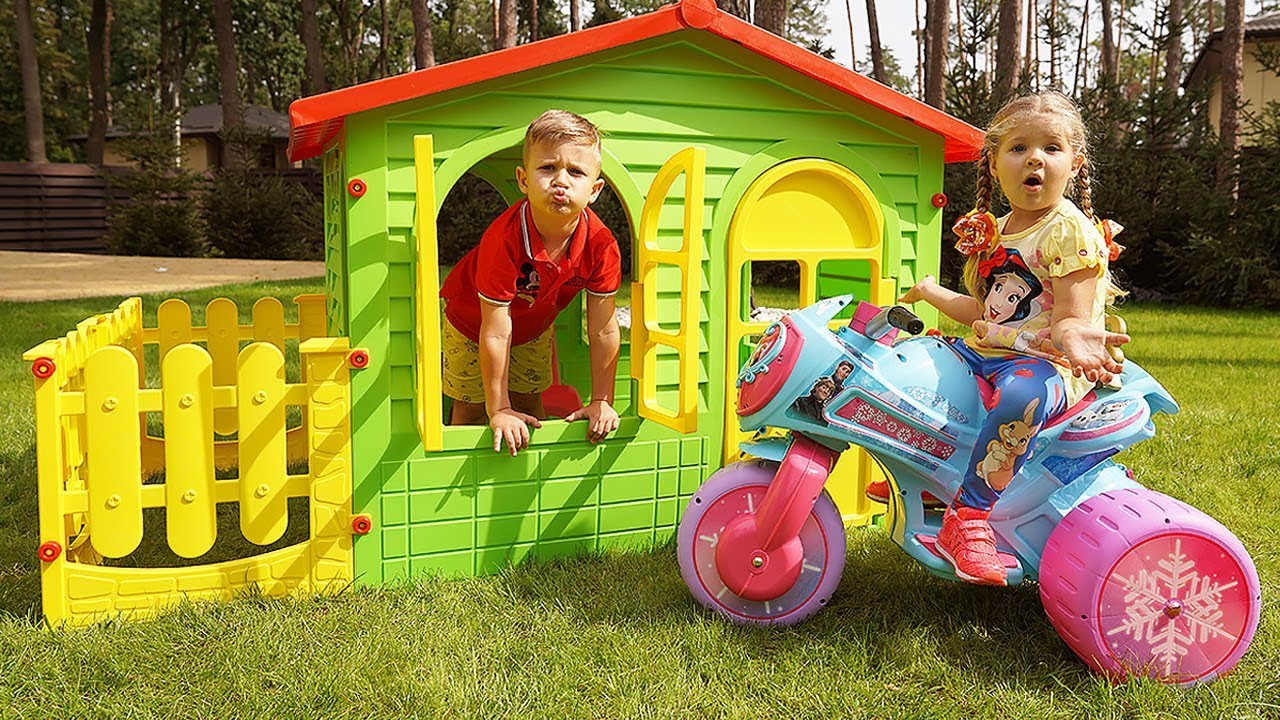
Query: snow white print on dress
[(1013, 299)]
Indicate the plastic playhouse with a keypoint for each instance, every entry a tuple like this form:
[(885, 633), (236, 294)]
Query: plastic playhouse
[(726, 146)]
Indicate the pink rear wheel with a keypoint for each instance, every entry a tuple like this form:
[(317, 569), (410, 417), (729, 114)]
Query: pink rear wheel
[(1142, 585), (738, 489)]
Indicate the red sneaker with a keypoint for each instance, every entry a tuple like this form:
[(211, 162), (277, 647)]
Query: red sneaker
[(879, 490), (969, 544)]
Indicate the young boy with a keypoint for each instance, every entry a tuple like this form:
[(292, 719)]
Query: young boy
[(502, 298)]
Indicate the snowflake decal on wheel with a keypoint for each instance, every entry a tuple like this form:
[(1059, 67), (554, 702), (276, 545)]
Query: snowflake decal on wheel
[(1169, 596)]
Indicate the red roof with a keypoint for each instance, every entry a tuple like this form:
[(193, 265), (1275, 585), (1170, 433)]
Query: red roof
[(315, 121)]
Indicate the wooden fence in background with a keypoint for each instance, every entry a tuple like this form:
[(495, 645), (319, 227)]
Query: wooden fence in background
[(62, 207)]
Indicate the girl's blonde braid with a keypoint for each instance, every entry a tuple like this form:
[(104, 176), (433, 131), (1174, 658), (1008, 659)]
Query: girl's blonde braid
[(973, 282), (983, 201), (1086, 192)]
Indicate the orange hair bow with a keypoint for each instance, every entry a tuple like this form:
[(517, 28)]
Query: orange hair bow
[(1110, 229), (976, 232)]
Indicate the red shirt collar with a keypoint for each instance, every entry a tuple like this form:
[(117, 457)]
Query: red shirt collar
[(535, 249)]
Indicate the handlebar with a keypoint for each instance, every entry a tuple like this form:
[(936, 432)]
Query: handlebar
[(896, 316)]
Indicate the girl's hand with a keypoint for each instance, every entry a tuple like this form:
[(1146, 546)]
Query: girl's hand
[(512, 427), (602, 419), (919, 291), (1087, 350)]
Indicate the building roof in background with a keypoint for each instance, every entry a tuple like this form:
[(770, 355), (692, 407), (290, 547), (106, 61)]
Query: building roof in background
[(1209, 60), (207, 120), (317, 120)]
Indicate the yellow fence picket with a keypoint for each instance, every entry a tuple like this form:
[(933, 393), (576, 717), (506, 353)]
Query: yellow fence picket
[(191, 507), (260, 394), (312, 320), (173, 320), (222, 323), (268, 321), (115, 464)]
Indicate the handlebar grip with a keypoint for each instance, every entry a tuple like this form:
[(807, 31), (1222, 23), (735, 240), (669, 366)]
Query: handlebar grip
[(903, 319)]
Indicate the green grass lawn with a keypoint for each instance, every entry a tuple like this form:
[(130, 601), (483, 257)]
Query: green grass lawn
[(617, 635)]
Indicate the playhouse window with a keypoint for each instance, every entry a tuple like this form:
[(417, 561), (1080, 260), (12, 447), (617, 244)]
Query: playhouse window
[(471, 205)]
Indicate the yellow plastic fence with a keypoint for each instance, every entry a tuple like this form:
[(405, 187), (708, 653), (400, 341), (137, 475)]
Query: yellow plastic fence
[(96, 461)]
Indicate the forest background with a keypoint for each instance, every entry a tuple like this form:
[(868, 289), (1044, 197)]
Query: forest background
[(1198, 202)]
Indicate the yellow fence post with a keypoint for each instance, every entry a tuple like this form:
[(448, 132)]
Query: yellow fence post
[(329, 438)]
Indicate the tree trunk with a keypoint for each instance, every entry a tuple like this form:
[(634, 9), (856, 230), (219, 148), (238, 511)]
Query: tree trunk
[(167, 65), (1008, 39), (1173, 48), (935, 52), (228, 90), (384, 43), (737, 8), (877, 51), (771, 15), (853, 39), (99, 61), (919, 54), (1232, 90), (424, 47), (1053, 43), (507, 23), (533, 20), (1109, 59), (311, 44), (1081, 76), (575, 15), (31, 100), (1120, 38), (1033, 43)]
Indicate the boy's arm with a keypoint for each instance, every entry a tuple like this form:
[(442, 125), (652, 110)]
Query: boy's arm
[(604, 339), (495, 357), (964, 309)]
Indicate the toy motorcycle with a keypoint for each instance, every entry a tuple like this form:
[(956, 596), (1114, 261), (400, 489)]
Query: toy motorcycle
[(1136, 582)]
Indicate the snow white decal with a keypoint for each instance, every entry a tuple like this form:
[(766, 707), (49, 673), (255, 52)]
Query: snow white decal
[(1012, 288)]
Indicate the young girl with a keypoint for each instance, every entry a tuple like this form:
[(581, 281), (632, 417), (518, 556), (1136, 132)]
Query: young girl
[(1038, 287)]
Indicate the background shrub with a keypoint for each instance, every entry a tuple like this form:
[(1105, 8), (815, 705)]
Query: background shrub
[(161, 216), (254, 214)]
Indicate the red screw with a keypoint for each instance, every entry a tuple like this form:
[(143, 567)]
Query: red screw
[(357, 188), (43, 368), (933, 332), (358, 359), (939, 200), (361, 524), (49, 551)]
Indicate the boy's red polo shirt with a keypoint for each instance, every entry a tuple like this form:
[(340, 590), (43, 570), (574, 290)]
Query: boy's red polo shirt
[(510, 267)]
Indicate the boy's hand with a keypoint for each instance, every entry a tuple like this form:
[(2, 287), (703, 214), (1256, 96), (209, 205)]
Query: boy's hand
[(513, 427), (602, 419), (1087, 350)]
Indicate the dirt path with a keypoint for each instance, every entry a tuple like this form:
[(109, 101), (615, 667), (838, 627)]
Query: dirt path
[(31, 276)]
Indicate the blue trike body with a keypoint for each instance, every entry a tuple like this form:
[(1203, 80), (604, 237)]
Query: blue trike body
[(916, 407)]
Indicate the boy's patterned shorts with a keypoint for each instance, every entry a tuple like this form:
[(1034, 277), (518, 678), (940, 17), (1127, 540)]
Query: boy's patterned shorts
[(529, 371)]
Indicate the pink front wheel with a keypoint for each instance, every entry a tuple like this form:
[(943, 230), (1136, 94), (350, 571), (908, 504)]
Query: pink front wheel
[(731, 492), (1142, 585)]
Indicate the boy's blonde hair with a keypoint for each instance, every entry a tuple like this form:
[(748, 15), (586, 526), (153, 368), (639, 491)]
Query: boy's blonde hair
[(555, 127), (1014, 112)]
